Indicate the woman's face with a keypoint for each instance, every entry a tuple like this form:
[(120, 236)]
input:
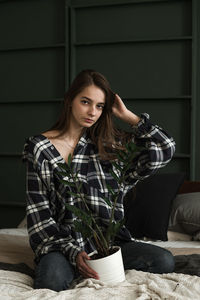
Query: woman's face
[(87, 107)]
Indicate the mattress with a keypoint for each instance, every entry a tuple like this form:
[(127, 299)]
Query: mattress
[(15, 248), (18, 285)]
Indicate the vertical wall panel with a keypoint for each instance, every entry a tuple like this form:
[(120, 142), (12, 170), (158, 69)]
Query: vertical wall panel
[(12, 192), (195, 129), (146, 68), (12, 178), (31, 22), (132, 21), (149, 51), (161, 113), (37, 118), (32, 75), (147, 56)]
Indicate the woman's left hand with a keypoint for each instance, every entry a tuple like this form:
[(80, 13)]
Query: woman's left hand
[(120, 111)]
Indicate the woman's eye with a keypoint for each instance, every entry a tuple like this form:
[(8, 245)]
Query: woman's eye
[(100, 106), (84, 101)]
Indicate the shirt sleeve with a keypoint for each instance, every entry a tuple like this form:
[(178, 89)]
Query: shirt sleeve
[(157, 149), (44, 233)]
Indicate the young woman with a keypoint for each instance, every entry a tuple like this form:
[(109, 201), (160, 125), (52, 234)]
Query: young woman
[(85, 129)]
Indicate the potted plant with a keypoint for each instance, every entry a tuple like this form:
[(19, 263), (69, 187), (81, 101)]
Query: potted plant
[(88, 226)]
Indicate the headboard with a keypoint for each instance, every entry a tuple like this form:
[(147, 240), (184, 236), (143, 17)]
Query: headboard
[(189, 187)]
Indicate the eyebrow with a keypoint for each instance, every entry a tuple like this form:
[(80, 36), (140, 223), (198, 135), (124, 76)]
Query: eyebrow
[(91, 100)]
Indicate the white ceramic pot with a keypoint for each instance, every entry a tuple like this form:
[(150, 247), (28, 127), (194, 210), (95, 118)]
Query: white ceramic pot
[(110, 268)]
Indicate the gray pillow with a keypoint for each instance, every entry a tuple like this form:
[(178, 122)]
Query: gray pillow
[(185, 214)]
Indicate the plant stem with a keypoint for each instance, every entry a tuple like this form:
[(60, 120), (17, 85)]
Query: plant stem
[(97, 236), (115, 203)]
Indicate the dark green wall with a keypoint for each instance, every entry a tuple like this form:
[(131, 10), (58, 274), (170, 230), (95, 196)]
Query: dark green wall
[(149, 51), (33, 52)]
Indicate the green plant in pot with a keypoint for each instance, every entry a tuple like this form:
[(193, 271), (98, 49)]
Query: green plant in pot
[(85, 222)]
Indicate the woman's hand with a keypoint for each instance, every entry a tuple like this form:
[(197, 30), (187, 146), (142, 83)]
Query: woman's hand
[(120, 111), (83, 268)]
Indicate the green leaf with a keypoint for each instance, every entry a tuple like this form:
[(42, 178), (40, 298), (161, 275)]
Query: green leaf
[(126, 167), (66, 182), (133, 147), (76, 175), (117, 166), (118, 226), (114, 175), (63, 173), (69, 160), (121, 155), (73, 194), (64, 167), (61, 165), (83, 229), (80, 186), (114, 228), (128, 147), (110, 189), (107, 201), (81, 214)]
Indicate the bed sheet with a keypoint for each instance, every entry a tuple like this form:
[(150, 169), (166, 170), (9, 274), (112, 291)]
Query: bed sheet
[(138, 285), (15, 249)]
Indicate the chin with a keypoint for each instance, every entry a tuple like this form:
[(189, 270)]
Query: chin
[(88, 125)]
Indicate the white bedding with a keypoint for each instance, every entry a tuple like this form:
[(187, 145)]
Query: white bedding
[(138, 285), (177, 240), (14, 231), (15, 248), (177, 244)]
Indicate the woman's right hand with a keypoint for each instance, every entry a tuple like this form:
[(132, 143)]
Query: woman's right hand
[(83, 268)]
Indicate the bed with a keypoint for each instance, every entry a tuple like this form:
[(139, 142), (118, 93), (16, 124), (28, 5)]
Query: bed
[(181, 236)]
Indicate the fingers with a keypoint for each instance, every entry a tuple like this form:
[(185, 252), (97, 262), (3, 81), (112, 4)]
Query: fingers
[(118, 97), (119, 109), (119, 102), (83, 268)]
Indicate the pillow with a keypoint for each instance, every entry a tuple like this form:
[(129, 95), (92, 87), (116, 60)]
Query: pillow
[(185, 214), (178, 236), (147, 213)]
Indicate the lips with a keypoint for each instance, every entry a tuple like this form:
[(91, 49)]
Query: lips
[(89, 120)]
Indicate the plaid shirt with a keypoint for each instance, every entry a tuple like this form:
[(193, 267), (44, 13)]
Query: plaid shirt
[(50, 224)]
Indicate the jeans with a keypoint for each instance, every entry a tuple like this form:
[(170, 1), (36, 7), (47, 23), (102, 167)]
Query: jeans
[(55, 272), (146, 257)]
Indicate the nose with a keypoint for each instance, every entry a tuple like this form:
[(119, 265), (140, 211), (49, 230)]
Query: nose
[(92, 110)]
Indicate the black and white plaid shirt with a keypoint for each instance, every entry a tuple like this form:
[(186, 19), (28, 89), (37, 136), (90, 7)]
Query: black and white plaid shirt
[(50, 224)]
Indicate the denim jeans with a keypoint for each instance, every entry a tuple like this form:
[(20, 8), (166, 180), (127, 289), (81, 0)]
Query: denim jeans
[(146, 257), (56, 273)]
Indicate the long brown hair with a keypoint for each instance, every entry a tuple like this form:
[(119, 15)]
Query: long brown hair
[(103, 133)]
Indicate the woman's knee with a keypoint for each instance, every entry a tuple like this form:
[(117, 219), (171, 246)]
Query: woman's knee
[(166, 262), (54, 272), (147, 258)]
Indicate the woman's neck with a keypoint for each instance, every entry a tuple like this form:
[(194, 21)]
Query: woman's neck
[(73, 134)]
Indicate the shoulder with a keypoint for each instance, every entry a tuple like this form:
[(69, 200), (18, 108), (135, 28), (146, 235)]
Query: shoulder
[(34, 147), (50, 134)]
